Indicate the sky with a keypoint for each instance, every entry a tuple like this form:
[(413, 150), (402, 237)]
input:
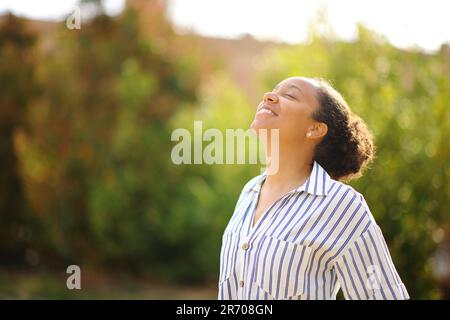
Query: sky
[(413, 23)]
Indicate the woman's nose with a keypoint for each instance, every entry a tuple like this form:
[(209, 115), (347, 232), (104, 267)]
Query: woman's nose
[(270, 97)]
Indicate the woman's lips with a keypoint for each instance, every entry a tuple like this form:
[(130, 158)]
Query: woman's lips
[(266, 110)]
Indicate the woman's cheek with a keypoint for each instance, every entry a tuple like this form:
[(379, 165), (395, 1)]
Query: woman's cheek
[(294, 123)]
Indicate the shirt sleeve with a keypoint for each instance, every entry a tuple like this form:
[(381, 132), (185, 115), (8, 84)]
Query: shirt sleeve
[(365, 269)]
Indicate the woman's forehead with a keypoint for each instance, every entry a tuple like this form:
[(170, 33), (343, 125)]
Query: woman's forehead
[(302, 82), (307, 86)]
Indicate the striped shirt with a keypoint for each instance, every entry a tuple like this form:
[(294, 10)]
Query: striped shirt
[(315, 240)]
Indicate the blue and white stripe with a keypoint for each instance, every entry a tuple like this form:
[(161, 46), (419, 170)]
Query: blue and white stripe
[(315, 240)]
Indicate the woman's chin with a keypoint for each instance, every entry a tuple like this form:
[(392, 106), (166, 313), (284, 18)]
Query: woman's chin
[(259, 124), (256, 125)]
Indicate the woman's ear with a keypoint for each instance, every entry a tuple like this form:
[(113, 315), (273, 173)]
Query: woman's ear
[(317, 131)]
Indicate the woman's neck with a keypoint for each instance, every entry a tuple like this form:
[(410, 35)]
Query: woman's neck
[(292, 170)]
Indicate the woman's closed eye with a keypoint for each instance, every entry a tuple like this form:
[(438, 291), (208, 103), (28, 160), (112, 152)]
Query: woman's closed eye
[(290, 96)]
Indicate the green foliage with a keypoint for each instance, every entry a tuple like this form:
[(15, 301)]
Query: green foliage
[(211, 191), (17, 88), (95, 158)]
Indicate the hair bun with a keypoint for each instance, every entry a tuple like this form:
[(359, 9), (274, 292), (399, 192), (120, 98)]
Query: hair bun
[(348, 148)]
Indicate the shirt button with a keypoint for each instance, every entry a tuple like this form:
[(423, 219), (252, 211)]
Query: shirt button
[(241, 283), (245, 246)]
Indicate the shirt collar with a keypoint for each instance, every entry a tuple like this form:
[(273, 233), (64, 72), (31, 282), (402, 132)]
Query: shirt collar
[(318, 182)]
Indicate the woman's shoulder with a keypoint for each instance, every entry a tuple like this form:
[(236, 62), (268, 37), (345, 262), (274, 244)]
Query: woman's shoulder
[(347, 194), (342, 187)]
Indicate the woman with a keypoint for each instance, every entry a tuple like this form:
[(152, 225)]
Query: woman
[(299, 232)]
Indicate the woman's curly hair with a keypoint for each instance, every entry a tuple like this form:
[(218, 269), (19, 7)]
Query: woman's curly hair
[(347, 148)]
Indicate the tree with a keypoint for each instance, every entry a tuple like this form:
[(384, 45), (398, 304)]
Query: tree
[(17, 87)]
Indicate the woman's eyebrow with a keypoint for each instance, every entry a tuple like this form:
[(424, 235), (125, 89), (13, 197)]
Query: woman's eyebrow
[(290, 86)]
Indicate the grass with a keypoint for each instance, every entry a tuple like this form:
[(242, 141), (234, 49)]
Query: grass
[(96, 285)]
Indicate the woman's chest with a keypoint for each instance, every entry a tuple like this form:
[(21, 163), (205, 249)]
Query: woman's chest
[(298, 219)]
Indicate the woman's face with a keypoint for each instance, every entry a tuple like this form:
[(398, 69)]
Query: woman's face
[(289, 108)]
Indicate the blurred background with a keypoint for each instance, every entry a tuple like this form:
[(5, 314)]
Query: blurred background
[(86, 117)]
